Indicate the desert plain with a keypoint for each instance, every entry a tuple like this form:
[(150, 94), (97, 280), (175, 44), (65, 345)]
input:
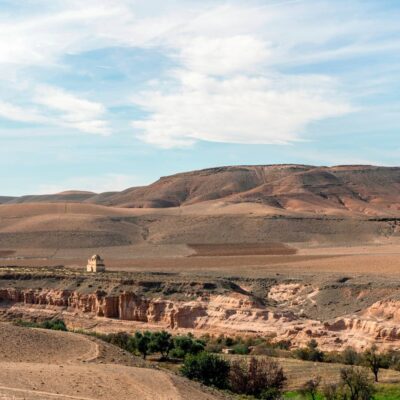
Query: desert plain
[(285, 252)]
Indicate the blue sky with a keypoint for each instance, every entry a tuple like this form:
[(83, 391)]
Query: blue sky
[(107, 94)]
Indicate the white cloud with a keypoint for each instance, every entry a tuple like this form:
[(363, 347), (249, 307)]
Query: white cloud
[(52, 106), (229, 84), (239, 109), (76, 112), (226, 55), (20, 114)]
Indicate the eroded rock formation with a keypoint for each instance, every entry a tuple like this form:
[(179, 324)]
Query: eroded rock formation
[(234, 313)]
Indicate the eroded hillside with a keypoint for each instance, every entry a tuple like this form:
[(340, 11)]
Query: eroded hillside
[(336, 311), (361, 190)]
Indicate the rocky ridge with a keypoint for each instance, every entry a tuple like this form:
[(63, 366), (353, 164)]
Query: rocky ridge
[(283, 315), (362, 190)]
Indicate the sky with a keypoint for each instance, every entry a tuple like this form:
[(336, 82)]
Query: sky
[(102, 95)]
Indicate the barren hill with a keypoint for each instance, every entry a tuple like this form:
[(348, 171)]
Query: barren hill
[(39, 364), (339, 190), (72, 196), (298, 188), (243, 204)]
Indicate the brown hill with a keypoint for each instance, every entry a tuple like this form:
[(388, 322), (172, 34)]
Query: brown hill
[(246, 204), (367, 190), (6, 199), (70, 196), (339, 190), (41, 364)]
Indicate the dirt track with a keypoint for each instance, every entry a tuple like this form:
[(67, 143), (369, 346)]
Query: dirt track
[(39, 364)]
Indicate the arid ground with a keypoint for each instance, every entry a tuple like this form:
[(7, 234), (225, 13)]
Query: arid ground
[(282, 252), (42, 364)]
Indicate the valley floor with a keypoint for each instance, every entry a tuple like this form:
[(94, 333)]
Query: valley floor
[(380, 260)]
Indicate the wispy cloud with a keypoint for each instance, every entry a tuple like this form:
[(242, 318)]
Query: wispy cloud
[(238, 109), (232, 78), (73, 111), (55, 107), (20, 114)]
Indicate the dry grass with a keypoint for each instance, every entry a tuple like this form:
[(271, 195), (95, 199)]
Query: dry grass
[(299, 372)]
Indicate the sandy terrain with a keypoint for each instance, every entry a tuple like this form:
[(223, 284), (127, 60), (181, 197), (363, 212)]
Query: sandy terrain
[(303, 250), (39, 364), (355, 260)]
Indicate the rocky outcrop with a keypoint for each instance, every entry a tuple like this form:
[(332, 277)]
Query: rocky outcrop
[(232, 314)]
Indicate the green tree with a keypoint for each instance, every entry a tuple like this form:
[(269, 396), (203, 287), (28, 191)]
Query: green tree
[(311, 352), (55, 325), (142, 343), (206, 368), (375, 361), (120, 339), (187, 345), (161, 342), (310, 388), (356, 384), (350, 356), (241, 348), (259, 377)]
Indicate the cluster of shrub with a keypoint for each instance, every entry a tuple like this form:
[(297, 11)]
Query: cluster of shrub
[(354, 384), (242, 346), (370, 358), (54, 324), (261, 378), (162, 342)]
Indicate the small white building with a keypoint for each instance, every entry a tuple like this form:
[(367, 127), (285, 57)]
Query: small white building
[(95, 264)]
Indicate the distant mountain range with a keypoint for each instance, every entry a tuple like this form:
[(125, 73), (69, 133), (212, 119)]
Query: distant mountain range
[(359, 189)]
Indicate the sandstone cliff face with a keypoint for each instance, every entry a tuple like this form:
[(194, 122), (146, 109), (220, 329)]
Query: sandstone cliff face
[(216, 314)]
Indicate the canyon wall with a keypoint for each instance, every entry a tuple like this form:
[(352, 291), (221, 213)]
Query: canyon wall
[(215, 314)]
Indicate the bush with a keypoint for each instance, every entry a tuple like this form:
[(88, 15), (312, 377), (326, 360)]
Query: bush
[(214, 347), (241, 348), (283, 344), (142, 343), (393, 359), (161, 342), (356, 384), (310, 388), (122, 340), (375, 361), (310, 353), (332, 391), (260, 377), (206, 368), (264, 350), (55, 325), (187, 345), (350, 356)]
